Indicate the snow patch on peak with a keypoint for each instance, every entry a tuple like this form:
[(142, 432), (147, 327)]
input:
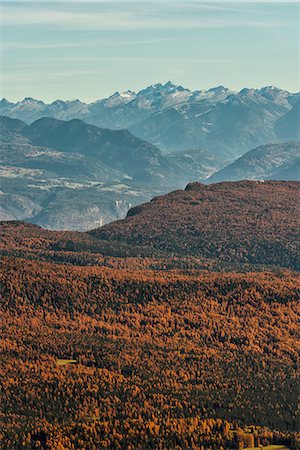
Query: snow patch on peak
[(247, 91), (127, 94), (30, 100), (118, 98), (218, 89)]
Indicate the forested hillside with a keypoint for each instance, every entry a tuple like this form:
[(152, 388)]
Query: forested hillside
[(234, 222), (107, 347), (149, 232)]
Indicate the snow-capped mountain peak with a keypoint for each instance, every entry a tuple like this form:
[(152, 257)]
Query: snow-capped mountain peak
[(118, 99), (161, 88)]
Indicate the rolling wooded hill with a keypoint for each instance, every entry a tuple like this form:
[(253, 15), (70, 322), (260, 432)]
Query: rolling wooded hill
[(117, 344), (246, 222)]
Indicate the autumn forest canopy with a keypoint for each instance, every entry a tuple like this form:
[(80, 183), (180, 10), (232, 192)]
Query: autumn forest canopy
[(175, 328)]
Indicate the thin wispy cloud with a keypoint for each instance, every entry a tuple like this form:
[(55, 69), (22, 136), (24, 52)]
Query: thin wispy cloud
[(180, 2), (74, 48), (85, 44), (68, 61), (117, 17), (50, 75)]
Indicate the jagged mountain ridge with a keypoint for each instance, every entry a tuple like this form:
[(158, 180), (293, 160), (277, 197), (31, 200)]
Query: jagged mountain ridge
[(227, 128), (176, 118), (109, 112)]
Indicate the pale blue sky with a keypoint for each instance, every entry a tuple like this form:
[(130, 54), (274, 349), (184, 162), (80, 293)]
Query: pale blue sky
[(89, 50)]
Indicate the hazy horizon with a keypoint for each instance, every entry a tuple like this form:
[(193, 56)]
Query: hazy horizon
[(90, 50), (133, 90)]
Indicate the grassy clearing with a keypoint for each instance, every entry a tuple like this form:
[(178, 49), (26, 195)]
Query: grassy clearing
[(64, 362), (269, 447)]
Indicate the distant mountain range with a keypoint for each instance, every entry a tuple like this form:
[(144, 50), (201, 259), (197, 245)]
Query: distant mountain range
[(175, 118), (71, 165), (71, 175)]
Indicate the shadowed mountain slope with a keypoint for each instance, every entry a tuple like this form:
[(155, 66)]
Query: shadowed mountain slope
[(117, 148), (288, 126), (10, 128), (272, 161)]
